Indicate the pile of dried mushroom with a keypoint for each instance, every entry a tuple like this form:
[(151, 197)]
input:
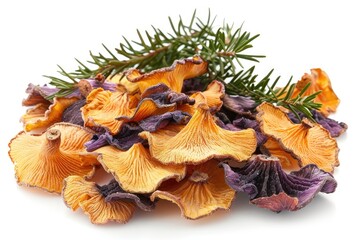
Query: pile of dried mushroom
[(161, 137)]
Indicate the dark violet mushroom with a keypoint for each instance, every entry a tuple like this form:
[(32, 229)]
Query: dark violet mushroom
[(72, 114), (335, 128), (268, 186)]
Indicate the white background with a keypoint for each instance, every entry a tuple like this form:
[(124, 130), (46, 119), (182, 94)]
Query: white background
[(37, 35)]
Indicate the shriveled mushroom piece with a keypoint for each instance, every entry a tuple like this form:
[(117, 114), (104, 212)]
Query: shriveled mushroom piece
[(45, 160), (103, 109), (268, 186), (91, 198), (200, 140), (135, 169), (319, 81), (272, 147), (36, 119), (335, 128), (307, 141), (202, 192), (173, 76), (212, 97)]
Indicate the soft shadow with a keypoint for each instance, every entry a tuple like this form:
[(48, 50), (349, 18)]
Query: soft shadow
[(243, 209), (37, 191)]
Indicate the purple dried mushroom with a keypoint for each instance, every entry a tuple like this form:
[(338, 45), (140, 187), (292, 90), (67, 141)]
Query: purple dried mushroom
[(192, 85), (334, 127), (113, 192), (244, 123), (268, 186), (238, 104), (124, 140), (162, 94), (156, 122), (73, 113)]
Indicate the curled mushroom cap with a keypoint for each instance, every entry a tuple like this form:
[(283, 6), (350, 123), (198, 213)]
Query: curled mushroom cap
[(200, 140), (202, 192), (212, 97), (103, 109), (273, 148), (268, 186), (214, 93), (335, 128), (45, 160), (319, 82), (307, 141), (173, 76), (35, 120), (88, 196), (135, 170)]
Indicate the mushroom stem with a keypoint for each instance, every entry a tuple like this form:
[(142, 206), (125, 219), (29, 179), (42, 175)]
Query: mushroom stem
[(306, 123), (53, 137), (84, 87), (199, 177)]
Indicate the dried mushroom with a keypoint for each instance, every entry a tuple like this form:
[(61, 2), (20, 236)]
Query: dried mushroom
[(319, 81), (268, 186), (37, 120), (135, 169), (111, 110), (45, 160), (173, 76), (308, 142), (200, 140), (202, 192), (88, 196)]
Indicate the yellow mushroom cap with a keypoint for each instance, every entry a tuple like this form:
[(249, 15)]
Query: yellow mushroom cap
[(309, 142), (135, 170), (202, 192), (173, 76), (112, 109), (45, 160), (212, 97), (319, 81), (36, 119), (200, 140), (79, 193)]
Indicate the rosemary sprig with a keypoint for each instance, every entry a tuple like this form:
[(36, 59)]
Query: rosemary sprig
[(245, 83), (223, 48)]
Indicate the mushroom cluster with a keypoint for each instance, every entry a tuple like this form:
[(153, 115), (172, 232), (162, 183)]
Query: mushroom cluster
[(161, 138)]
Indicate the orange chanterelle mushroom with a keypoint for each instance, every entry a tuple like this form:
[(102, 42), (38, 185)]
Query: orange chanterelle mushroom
[(319, 81), (308, 142), (200, 140), (173, 76), (103, 107), (79, 193), (45, 160), (135, 169), (42, 115), (203, 191)]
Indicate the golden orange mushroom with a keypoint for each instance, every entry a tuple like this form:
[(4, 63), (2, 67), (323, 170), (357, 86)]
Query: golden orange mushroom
[(203, 191), (45, 160), (319, 81), (173, 76), (79, 193), (212, 97), (104, 107), (36, 119), (200, 140), (274, 148), (307, 141), (135, 170)]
